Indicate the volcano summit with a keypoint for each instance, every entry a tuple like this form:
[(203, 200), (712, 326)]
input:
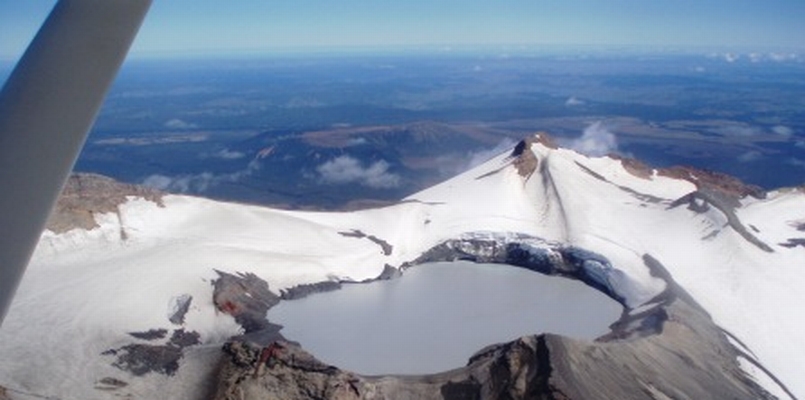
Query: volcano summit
[(709, 273)]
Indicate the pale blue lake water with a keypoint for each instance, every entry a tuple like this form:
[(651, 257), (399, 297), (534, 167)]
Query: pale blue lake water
[(437, 315)]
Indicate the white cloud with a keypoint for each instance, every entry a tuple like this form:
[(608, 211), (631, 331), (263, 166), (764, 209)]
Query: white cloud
[(782, 130), (596, 140), (356, 141), (780, 57), (800, 144), (750, 156), (573, 101), (177, 123), (731, 58), (197, 183), (345, 169), (736, 129), (158, 181), (227, 154)]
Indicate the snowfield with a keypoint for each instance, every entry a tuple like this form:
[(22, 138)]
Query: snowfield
[(84, 291)]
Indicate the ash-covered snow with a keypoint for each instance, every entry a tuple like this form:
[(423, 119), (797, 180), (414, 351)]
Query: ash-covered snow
[(85, 290)]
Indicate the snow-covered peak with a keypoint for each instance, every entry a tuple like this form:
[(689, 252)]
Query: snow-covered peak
[(124, 275)]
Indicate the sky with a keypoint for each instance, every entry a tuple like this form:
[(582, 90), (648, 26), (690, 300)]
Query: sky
[(214, 26)]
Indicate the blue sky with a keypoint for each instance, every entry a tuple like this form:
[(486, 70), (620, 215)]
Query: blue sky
[(209, 26)]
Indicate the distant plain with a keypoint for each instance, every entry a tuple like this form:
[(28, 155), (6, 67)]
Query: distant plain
[(334, 131)]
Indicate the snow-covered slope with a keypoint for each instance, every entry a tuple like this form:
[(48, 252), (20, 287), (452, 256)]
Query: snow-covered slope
[(86, 290)]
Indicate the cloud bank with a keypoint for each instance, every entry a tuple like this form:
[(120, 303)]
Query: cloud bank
[(595, 141), (346, 170), (177, 123), (197, 183)]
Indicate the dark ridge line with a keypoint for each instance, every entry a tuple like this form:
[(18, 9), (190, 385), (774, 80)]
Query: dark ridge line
[(732, 220), (768, 373), (640, 196), (358, 234)]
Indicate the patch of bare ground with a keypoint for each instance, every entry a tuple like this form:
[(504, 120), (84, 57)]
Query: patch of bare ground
[(85, 195), (716, 181), (526, 161), (634, 166)]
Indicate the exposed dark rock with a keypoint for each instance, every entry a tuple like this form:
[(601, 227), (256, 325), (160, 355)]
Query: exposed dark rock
[(110, 384), (714, 181), (355, 233), (566, 261), (384, 245), (85, 195), (518, 149), (388, 273), (307, 289), (794, 242), (640, 196), (180, 306), (634, 166), (140, 359), (526, 162), (304, 290), (469, 389), (152, 334), (247, 298), (182, 339), (281, 371), (699, 201)]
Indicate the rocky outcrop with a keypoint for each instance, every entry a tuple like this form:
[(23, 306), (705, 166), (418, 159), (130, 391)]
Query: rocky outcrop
[(524, 160), (714, 181), (634, 166), (385, 247), (247, 298), (669, 348), (527, 252), (85, 195), (306, 289), (180, 305), (140, 359), (701, 200)]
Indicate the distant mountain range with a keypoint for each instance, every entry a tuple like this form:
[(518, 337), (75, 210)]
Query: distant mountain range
[(141, 294)]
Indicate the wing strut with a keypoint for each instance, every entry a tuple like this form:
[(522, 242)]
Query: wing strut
[(47, 107)]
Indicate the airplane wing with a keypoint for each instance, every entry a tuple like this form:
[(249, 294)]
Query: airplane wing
[(47, 108)]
